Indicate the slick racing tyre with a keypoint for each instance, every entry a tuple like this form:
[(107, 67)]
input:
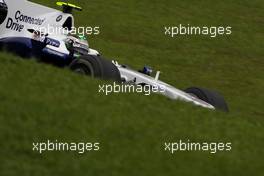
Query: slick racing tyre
[(211, 97), (95, 67)]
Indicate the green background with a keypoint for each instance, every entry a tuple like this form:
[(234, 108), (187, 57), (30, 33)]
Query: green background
[(40, 102)]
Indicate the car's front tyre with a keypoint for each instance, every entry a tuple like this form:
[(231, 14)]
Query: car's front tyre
[(211, 97), (95, 67)]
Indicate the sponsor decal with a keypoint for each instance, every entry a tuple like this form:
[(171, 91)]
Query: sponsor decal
[(58, 19), (17, 23), (52, 42)]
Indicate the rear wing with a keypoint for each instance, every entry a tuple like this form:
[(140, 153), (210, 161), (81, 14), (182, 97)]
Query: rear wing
[(68, 8)]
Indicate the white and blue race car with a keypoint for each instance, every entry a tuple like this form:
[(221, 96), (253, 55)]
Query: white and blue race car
[(23, 30)]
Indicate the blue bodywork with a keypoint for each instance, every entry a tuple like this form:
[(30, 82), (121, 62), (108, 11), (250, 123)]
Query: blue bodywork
[(26, 47)]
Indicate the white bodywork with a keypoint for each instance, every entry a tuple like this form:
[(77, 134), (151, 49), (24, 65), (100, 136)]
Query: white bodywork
[(165, 89), (26, 15), (23, 15)]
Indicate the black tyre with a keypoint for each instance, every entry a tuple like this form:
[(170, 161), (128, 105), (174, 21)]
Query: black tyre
[(86, 66), (95, 66), (211, 97), (110, 71)]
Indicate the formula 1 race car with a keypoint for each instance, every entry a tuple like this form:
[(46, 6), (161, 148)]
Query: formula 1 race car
[(23, 31)]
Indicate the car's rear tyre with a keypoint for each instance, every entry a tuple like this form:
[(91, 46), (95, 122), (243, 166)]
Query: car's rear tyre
[(211, 97), (95, 66)]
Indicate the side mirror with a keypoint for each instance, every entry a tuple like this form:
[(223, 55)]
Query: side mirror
[(37, 33)]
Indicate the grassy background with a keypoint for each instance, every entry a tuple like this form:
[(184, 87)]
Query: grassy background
[(40, 102)]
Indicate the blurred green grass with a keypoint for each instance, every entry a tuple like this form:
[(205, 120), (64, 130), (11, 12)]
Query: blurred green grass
[(39, 102)]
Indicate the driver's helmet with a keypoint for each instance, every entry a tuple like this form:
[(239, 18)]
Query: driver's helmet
[(77, 44)]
